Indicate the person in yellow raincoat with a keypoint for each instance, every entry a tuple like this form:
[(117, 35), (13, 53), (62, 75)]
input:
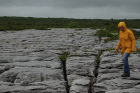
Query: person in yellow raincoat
[(127, 43)]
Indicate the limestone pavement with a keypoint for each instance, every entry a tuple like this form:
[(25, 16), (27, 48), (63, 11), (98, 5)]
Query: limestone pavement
[(29, 63)]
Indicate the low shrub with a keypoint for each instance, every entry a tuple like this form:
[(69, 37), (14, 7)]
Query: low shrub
[(103, 33), (138, 50), (73, 25), (114, 37), (136, 34)]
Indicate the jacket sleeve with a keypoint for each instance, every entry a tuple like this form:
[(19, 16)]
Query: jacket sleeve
[(119, 45), (131, 35)]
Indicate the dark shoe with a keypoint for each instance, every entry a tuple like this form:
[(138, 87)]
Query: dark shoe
[(125, 75)]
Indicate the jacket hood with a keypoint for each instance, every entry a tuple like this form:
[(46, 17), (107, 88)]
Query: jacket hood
[(122, 24)]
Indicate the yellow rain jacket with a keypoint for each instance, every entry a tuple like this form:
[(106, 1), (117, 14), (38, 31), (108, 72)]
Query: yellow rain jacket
[(127, 41)]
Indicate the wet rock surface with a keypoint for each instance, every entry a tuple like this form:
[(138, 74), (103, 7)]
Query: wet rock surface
[(30, 63)]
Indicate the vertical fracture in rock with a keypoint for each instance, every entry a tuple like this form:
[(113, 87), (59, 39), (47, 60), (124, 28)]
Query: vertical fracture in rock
[(63, 59)]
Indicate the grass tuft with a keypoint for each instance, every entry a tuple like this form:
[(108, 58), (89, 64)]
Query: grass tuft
[(63, 57)]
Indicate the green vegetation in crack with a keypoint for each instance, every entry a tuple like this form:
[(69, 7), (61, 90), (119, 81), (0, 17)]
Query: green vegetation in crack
[(110, 49), (98, 59), (72, 35), (63, 59), (64, 56)]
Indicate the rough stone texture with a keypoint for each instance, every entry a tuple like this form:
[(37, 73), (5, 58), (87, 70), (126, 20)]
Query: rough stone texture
[(29, 63), (109, 78), (79, 72), (79, 86)]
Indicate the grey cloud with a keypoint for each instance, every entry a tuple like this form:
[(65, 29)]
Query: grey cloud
[(71, 8), (69, 3)]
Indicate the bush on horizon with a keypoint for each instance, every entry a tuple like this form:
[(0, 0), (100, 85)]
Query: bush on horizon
[(73, 25)]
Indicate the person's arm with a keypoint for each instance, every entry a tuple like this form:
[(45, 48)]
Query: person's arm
[(131, 35), (118, 46)]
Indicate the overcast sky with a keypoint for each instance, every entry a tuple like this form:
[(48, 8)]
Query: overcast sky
[(83, 9)]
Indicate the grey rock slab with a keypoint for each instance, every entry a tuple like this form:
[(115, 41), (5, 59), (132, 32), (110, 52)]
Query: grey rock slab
[(108, 70), (100, 48), (83, 66), (72, 77), (6, 83), (111, 44), (2, 69), (117, 64), (21, 89), (110, 59), (113, 84), (135, 76), (21, 59), (134, 61), (59, 52), (28, 76), (81, 82), (5, 60), (109, 53), (137, 86), (46, 64), (108, 76), (131, 90), (46, 73), (138, 43), (79, 86), (85, 52), (54, 86)]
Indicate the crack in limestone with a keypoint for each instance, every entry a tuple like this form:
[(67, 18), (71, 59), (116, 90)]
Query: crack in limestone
[(93, 80), (63, 59)]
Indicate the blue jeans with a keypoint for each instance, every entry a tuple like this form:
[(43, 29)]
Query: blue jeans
[(126, 64)]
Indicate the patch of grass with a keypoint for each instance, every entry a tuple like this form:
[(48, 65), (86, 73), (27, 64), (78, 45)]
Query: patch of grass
[(42, 28), (14, 38), (85, 50), (136, 34), (103, 33), (138, 50), (110, 49), (72, 35), (26, 47), (114, 37), (98, 57), (73, 25), (63, 57), (78, 29)]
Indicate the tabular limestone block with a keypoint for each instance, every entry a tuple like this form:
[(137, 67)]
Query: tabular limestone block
[(109, 78), (113, 84), (33, 74), (29, 76), (79, 72), (79, 86), (83, 66)]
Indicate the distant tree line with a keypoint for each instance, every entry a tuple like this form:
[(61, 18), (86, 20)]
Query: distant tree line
[(21, 23)]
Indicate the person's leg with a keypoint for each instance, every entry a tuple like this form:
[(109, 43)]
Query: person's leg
[(126, 64)]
